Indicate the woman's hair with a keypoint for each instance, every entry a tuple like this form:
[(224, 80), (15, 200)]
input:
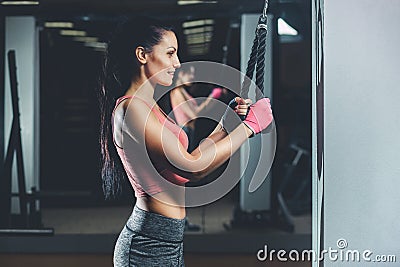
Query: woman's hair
[(120, 68)]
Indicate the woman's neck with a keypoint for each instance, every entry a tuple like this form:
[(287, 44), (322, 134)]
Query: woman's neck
[(143, 89)]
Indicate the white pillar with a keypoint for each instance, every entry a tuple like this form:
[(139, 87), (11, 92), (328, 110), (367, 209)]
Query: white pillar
[(22, 36), (261, 198)]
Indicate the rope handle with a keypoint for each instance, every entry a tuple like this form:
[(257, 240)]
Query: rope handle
[(257, 58)]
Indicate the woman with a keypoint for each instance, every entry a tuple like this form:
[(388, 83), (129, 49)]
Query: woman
[(184, 107), (137, 139)]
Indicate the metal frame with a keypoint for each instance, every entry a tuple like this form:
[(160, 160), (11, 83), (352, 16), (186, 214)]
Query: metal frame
[(2, 86)]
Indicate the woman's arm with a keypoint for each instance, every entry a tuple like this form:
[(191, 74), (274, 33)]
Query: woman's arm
[(216, 135), (196, 109), (163, 146), (219, 132)]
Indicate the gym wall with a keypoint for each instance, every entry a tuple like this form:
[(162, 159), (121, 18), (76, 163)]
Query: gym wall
[(356, 129)]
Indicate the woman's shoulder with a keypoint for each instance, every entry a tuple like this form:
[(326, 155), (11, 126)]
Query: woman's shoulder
[(132, 101), (138, 116), (132, 107), (138, 105)]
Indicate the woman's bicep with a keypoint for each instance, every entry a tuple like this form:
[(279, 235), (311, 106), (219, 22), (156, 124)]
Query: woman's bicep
[(216, 135)]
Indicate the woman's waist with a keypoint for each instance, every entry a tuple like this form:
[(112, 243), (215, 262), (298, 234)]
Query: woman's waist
[(164, 205), (156, 226)]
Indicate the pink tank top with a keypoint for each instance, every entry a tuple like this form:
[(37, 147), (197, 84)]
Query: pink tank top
[(143, 179)]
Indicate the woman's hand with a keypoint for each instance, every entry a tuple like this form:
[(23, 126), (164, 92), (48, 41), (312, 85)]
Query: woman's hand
[(259, 116), (242, 106), (239, 106)]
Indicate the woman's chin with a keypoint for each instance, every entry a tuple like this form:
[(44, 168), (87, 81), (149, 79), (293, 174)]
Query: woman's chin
[(166, 83)]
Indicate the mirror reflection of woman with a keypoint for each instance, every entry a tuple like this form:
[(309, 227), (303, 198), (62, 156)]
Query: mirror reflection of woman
[(142, 54), (185, 108)]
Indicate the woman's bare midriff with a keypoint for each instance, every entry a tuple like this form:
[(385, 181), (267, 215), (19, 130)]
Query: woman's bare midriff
[(153, 204)]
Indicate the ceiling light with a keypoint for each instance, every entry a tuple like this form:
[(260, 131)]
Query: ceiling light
[(197, 41), (19, 3), (86, 39), (58, 24), (72, 33), (198, 30), (285, 29), (193, 2), (99, 45), (100, 50), (199, 38), (196, 23), (202, 34), (197, 51), (198, 48)]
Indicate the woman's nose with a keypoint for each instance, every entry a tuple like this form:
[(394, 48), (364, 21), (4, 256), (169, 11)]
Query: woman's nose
[(177, 63)]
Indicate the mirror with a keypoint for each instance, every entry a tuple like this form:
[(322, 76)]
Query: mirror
[(72, 41)]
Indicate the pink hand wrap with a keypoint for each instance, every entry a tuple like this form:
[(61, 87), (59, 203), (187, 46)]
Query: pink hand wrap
[(216, 93), (259, 116)]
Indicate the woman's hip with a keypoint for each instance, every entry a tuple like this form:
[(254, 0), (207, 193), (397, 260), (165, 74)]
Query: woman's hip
[(150, 239)]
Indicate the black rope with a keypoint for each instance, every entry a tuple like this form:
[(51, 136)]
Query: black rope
[(262, 32), (257, 59), (251, 64)]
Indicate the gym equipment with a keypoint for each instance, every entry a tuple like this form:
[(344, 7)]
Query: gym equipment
[(14, 145), (300, 201), (279, 215), (26, 222), (255, 207), (257, 58)]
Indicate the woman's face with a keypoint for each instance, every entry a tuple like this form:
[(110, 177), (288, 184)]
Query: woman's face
[(163, 60)]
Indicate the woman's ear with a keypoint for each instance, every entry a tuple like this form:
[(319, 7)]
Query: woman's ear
[(141, 55)]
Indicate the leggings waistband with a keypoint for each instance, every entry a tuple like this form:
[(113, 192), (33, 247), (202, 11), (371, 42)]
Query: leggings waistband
[(156, 225)]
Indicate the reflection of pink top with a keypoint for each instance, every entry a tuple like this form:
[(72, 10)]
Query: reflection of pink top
[(142, 178), (180, 116)]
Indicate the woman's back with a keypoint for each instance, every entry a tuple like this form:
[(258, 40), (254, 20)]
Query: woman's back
[(145, 173)]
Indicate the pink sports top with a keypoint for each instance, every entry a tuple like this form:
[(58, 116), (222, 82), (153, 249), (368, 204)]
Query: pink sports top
[(143, 179)]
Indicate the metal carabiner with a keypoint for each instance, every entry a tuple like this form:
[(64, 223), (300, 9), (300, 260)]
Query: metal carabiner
[(265, 9), (262, 22)]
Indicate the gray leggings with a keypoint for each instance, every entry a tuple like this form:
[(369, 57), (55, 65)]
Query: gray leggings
[(150, 239)]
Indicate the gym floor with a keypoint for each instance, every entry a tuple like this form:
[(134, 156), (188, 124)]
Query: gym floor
[(101, 260), (108, 221)]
